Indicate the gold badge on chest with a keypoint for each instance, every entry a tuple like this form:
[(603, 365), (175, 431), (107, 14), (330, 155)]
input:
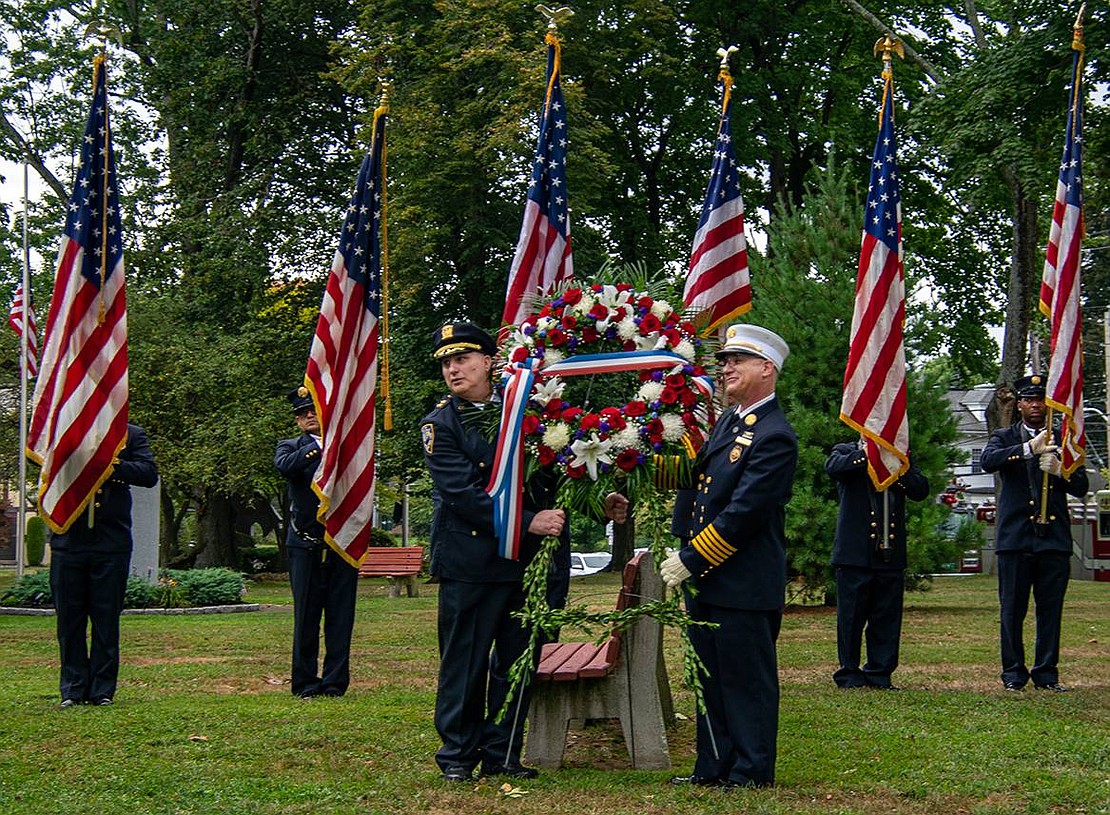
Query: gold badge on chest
[(735, 453), (750, 419)]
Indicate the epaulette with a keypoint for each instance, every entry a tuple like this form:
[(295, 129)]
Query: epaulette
[(444, 402)]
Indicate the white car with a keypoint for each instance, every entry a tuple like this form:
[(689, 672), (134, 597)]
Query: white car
[(584, 563)]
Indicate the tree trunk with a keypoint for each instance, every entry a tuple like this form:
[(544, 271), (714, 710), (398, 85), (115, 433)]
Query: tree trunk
[(1019, 302), (216, 531)]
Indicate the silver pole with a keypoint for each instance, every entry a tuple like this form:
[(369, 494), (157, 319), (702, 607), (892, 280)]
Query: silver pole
[(21, 525), (1106, 359)]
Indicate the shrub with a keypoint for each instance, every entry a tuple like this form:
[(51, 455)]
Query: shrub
[(380, 537), (32, 590), (260, 558), (139, 593), (207, 587), (174, 589), (34, 539)]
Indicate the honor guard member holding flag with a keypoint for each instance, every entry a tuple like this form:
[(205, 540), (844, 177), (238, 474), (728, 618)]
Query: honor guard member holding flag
[(479, 639), (323, 583), (870, 572), (732, 527), (1033, 542), (89, 564)]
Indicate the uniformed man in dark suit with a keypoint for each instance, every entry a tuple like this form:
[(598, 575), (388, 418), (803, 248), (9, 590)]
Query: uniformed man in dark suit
[(870, 568), (479, 591), (732, 527), (323, 583), (1032, 555), (89, 565)]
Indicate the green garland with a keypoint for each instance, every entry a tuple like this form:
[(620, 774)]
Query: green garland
[(542, 621)]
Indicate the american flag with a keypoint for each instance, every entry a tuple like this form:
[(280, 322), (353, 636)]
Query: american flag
[(543, 254), (874, 400), (1060, 285), (15, 320), (343, 362), (79, 419), (718, 283)]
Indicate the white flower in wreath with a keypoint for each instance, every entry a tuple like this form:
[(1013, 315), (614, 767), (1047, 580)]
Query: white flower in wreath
[(582, 307), (652, 342), (552, 355), (627, 329), (557, 435), (686, 350), (549, 389), (628, 437), (611, 297), (673, 427), (650, 392), (546, 323), (661, 308), (520, 338), (590, 452)]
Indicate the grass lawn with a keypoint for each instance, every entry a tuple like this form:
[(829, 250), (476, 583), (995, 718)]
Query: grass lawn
[(204, 722)]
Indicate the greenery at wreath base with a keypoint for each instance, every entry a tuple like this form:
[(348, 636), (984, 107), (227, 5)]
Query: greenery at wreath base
[(175, 589)]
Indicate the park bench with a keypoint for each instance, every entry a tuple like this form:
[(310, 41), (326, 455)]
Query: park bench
[(401, 564), (623, 678)]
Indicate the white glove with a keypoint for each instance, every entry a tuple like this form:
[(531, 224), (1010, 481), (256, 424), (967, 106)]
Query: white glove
[(673, 571), (1050, 464), (1042, 443)]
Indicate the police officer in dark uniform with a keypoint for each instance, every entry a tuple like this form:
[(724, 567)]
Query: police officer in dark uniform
[(479, 591), (323, 583), (89, 565), (1032, 555), (732, 528), (870, 572)]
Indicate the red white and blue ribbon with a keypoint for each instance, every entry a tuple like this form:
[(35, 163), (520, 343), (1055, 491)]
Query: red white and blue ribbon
[(506, 484)]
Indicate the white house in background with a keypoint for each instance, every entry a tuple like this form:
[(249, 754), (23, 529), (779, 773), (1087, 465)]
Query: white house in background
[(970, 409)]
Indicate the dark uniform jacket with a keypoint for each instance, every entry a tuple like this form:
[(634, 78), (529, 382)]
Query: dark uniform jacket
[(460, 458), (1020, 498), (297, 460), (732, 520), (860, 518), (111, 528)]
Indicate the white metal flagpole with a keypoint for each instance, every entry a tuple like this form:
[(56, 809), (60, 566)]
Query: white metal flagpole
[(21, 525)]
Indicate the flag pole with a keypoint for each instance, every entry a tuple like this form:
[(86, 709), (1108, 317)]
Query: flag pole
[(21, 523)]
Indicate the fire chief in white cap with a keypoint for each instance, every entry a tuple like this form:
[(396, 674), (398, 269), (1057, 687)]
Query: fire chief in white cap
[(731, 522)]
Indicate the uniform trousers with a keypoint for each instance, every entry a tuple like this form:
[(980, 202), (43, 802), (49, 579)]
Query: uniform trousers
[(1046, 574), (738, 733), (88, 586), (868, 600), (323, 584), (479, 640)]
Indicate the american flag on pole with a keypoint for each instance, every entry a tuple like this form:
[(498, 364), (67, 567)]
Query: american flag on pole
[(1060, 284), (79, 418), (15, 320), (343, 362), (874, 401), (718, 284), (543, 254)]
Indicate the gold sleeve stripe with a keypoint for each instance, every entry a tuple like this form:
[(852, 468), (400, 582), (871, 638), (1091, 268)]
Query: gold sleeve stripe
[(710, 545)]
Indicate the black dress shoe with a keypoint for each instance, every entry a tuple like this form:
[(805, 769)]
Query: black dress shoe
[(511, 770), (457, 775), (103, 701), (697, 781), (1055, 687), (1013, 686), (70, 703)]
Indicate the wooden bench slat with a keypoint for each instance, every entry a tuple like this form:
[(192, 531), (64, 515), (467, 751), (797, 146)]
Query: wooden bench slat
[(587, 653), (604, 662), (392, 561), (553, 656)]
